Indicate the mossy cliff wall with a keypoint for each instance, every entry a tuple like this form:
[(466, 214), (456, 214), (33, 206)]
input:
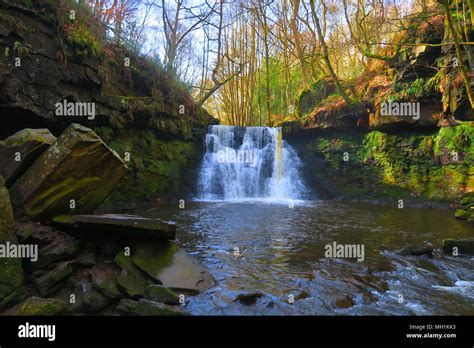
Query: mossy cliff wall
[(142, 111), (430, 165)]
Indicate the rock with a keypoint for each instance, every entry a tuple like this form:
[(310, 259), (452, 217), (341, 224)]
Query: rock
[(131, 280), (461, 214), (104, 279), (344, 302), (416, 250), (39, 306), (50, 281), (11, 271), (464, 246), (53, 245), (29, 144), (23, 231), (78, 166), (13, 298), (162, 294), (144, 307), (301, 295), (115, 225), (248, 298), (172, 267), (89, 300), (87, 259)]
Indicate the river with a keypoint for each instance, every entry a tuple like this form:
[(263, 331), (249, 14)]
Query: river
[(263, 234)]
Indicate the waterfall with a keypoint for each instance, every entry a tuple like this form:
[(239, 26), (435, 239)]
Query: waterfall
[(249, 162)]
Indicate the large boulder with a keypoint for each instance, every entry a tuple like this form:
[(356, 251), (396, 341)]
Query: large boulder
[(74, 175), (11, 271), (115, 225), (172, 267), (20, 150)]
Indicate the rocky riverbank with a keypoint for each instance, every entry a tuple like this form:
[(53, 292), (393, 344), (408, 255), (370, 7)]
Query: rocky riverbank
[(138, 141), (75, 263)]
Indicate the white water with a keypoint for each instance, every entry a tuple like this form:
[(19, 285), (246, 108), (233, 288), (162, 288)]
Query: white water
[(243, 163)]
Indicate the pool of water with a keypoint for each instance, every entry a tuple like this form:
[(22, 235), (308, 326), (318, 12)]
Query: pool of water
[(278, 250)]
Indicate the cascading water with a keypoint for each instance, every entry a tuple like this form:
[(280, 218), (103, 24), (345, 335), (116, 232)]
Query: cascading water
[(249, 162)]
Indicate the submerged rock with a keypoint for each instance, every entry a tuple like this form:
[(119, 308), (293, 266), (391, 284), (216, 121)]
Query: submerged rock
[(116, 225), (249, 298), (39, 306), (416, 250), (74, 175), (11, 271), (172, 267), (462, 246), (19, 151), (144, 307), (162, 294)]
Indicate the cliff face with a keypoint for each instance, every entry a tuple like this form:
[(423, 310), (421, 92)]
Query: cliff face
[(140, 111)]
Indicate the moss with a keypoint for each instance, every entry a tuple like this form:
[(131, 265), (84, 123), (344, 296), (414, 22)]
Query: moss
[(84, 38), (387, 165), (40, 306), (158, 166)]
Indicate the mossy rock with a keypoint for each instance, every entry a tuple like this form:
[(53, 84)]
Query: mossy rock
[(461, 214), (311, 97), (131, 280), (462, 246), (40, 306), (11, 271), (78, 166), (162, 294)]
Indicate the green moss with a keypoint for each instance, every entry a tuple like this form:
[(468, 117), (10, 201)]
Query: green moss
[(40, 306), (158, 166), (83, 37), (387, 165)]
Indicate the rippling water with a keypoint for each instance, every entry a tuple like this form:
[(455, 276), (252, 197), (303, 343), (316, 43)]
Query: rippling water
[(282, 253)]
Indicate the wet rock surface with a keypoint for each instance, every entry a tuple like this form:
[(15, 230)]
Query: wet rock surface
[(458, 246), (416, 250), (145, 307), (173, 268)]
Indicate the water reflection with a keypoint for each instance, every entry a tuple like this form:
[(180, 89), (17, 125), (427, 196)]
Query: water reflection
[(281, 252)]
